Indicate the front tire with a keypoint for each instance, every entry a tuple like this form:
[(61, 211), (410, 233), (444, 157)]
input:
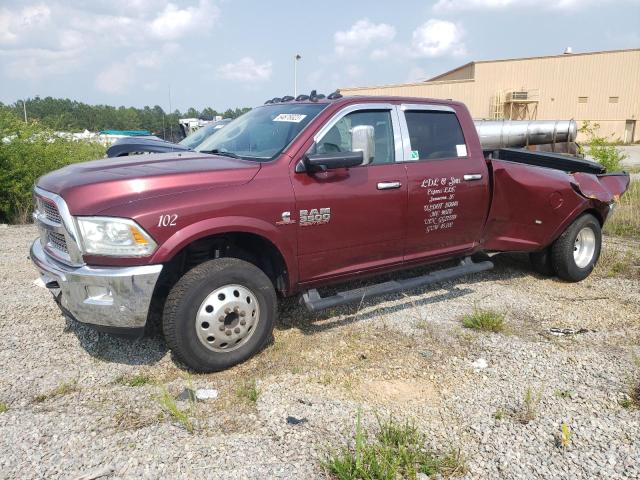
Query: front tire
[(576, 252), (219, 314)]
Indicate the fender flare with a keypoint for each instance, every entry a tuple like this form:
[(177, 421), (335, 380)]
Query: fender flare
[(231, 224)]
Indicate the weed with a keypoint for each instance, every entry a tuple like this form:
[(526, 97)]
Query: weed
[(132, 420), (249, 391), (564, 438), (59, 391), (396, 451), (170, 407), (529, 408), (135, 381), (615, 262), (499, 415), (3, 407), (625, 219), (564, 394), (485, 320)]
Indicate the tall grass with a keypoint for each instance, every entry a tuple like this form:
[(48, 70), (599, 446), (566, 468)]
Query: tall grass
[(625, 219), (398, 450)]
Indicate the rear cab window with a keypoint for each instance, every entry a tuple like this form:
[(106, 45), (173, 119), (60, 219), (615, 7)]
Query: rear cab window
[(435, 135)]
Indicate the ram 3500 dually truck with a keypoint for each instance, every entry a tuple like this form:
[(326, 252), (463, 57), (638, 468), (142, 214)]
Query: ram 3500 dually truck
[(297, 194)]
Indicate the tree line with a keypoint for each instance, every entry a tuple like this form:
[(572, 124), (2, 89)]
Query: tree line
[(63, 114)]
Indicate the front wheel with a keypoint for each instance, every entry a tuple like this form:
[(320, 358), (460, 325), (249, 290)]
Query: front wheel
[(575, 253), (219, 314)]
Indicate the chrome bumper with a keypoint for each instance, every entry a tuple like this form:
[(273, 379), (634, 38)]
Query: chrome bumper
[(113, 297)]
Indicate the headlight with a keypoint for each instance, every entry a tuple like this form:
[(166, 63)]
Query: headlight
[(114, 237)]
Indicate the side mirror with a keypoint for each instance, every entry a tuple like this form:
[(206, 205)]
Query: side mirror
[(319, 162), (363, 140)]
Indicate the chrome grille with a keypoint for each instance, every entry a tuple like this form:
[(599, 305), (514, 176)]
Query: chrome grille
[(51, 212), (57, 241)]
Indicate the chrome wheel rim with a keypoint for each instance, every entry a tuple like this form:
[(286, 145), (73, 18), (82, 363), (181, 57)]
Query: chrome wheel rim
[(584, 247), (227, 318)]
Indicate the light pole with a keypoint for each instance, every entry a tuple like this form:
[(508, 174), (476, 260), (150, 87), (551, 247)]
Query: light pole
[(24, 108), (295, 74)]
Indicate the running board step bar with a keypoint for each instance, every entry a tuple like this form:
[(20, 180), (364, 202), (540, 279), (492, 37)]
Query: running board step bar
[(314, 302)]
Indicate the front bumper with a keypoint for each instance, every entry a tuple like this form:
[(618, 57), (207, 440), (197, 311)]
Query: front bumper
[(110, 297)]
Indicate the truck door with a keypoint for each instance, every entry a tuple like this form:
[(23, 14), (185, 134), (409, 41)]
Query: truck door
[(352, 219), (448, 184)]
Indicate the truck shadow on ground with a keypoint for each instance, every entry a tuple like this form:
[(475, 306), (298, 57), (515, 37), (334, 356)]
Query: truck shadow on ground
[(295, 315), (150, 349), (126, 350)]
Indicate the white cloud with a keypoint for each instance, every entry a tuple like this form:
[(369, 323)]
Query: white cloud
[(459, 5), (174, 22), (116, 78), (40, 39), (15, 23), (435, 38), (361, 36), (246, 70)]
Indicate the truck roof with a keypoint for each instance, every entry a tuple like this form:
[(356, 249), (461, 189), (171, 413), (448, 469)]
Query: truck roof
[(336, 98)]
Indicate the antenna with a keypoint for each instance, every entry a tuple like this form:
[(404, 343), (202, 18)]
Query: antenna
[(170, 124)]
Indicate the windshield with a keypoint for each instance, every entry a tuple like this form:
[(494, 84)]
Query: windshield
[(262, 133), (196, 138)]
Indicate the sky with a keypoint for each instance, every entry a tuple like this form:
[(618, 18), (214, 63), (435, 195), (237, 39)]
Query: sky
[(234, 53)]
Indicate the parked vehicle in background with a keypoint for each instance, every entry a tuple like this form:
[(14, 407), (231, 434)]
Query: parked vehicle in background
[(297, 194), (152, 144)]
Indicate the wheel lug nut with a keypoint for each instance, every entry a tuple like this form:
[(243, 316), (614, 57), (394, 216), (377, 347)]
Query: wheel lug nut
[(221, 319), (236, 310), (243, 313), (222, 328), (237, 330), (243, 322), (228, 332), (227, 311)]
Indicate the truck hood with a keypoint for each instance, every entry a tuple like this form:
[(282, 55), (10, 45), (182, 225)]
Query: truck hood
[(124, 146), (91, 187)]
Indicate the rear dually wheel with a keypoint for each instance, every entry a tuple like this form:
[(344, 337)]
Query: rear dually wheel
[(575, 253)]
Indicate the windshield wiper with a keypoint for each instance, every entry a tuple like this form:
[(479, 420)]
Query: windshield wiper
[(217, 151)]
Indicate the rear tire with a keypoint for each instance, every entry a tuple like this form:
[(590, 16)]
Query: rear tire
[(541, 262), (219, 314), (576, 252)]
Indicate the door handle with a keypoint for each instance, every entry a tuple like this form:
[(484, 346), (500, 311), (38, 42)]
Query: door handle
[(469, 177), (388, 185)]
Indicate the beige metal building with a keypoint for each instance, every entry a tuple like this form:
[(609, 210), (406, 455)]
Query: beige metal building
[(602, 87)]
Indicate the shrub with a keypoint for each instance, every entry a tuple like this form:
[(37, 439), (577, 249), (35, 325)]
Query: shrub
[(601, 148), (28, 151)]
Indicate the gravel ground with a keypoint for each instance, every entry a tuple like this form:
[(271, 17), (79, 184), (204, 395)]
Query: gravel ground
[(71, 412)]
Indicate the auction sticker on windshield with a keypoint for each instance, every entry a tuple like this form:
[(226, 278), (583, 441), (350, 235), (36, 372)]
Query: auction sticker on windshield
[(290, 117)]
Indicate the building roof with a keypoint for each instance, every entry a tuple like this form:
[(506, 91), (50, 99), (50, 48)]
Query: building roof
[(562, 55)]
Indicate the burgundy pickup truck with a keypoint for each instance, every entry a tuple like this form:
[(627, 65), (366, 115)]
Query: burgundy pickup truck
[(297, 194)]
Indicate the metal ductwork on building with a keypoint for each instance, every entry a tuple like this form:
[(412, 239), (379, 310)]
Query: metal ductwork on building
[(495, 134)]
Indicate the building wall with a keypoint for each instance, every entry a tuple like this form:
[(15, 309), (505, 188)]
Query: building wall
[(560, 81)]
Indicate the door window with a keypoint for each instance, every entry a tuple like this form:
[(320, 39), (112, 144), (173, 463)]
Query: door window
[(434, 135), (338, 138)]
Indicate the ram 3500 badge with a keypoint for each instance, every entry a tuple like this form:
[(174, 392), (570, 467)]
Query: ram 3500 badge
[(207, 240)]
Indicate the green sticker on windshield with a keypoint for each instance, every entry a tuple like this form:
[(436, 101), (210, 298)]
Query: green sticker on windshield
[(415, 155)]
